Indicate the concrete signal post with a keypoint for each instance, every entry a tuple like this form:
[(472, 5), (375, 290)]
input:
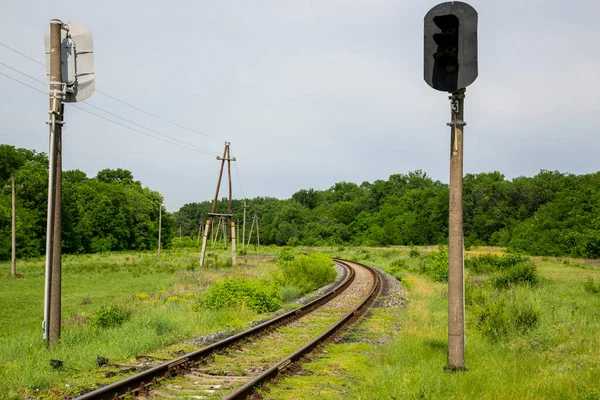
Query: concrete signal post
[(450, 65), (70, 73)]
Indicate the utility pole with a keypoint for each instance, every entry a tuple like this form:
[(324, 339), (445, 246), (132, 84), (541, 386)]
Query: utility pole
[(71, 79), (226, 157), (456, 289), (244, 229), (51, 296), (13, 264), (199, 234), (160, 226), (257, 232), (224, 233), (450, 65), (251, 229)]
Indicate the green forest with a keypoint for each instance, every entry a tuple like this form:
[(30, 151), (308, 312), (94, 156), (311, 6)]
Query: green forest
[(548, 214), (551, 213), (111, 211)]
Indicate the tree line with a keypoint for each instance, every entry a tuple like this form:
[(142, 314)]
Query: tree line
[(111, 211), (551, 213)]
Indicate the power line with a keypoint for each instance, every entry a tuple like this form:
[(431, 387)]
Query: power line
[(108, 119), (137, 130), (161, 118), (23, 83), (237, 171), (23, 73), (24, 55), (124, 102), (208, 151)]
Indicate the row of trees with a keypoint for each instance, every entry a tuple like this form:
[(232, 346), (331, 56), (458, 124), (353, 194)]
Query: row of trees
[(548, 214), (111, 211)]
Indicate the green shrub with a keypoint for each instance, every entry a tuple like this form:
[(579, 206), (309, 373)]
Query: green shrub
[(397, 265), (510, 313), (109, 316), (590, 286), (524, 272), (488, 263), (286, 255), (258, 295), (308, 272), (436, 265), (475, 293), (414, 252), (290, 292)]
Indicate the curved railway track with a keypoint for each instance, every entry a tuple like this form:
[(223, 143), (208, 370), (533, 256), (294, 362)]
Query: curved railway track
[(234, 367)]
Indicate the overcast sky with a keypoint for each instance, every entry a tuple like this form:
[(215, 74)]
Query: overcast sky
[(309, 92)]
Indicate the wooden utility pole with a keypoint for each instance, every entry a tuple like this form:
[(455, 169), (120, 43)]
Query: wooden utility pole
[(244, 229), (251, 229), (224, 233), (257, 232), (456, 294), (160, 226), (13, 264), (52, 292), (226, 157), (254, 221), (199, 234)]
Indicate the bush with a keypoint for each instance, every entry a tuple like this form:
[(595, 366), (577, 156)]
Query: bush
[(308, 272), (286, 255), (109, 316), (510, 313), (258, 295), (524, 272), (290, 292), (414, 252), (590, 286), (436, 265), (397, 266), (488, 263)]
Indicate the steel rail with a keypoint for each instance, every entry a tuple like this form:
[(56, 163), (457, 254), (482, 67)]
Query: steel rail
[(142, 381), (249, 387)]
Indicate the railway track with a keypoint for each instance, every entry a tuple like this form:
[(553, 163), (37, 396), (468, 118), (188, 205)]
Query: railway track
[(234, 367)]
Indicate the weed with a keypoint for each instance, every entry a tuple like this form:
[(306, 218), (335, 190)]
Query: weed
[(290, 292), (524, 272), (436, 265), (590, 286), (286, 255), (109, 316), (259, 295), (414, 252), (510, 313), (308, 272), (85, 300), (174, 299)]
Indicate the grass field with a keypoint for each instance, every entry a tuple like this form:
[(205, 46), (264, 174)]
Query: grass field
[(557, 357), (159, 298), (396, 353)]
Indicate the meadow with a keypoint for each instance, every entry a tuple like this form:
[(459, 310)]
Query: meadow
[(527, 339), (532, 323), (121, 304)]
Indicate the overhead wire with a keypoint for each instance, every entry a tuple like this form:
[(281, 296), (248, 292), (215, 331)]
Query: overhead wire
[(204, 150), (124, 102), (237, 171), (107, 119)]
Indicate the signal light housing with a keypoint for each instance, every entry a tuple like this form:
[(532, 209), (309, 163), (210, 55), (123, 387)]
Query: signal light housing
[(450, 46)]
